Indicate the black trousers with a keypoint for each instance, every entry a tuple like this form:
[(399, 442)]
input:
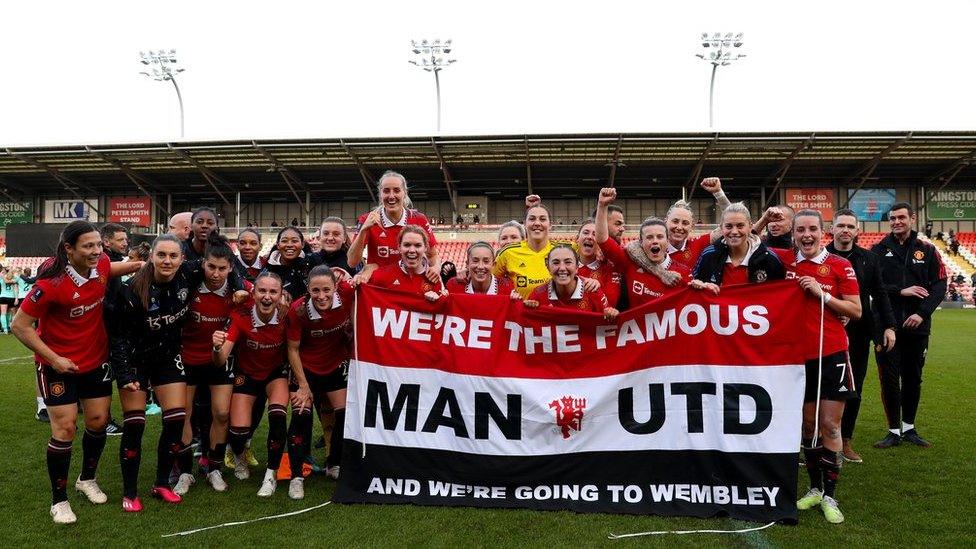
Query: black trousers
[(900, 371), (859, 345)]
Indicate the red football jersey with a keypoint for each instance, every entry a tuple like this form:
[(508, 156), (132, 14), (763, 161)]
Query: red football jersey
[(381, 239), (836, 277), (260, 347), (499, 286), (581, 300), (608, 274), (326, 337), (691, 249), (643, 286), (395, 277), (70, 317), (209, 312)]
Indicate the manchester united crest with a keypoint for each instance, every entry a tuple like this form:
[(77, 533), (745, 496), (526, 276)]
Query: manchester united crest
[(57, 388), (823, 270), (919, 255), (569, 414)]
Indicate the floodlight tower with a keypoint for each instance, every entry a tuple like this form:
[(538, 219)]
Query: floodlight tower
[(432, 57), (721, 51), (164, 68)]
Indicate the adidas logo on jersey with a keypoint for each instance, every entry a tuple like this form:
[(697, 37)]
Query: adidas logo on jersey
[(396, 282), (889, 254), (522, 265), (76, 296)]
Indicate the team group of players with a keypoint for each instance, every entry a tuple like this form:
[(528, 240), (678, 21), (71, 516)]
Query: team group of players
[(217, 334)]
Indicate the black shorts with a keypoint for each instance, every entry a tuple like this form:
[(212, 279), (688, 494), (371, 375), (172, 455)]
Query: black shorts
[(58, 389), (159, 373), (837, 381), (210, 374), (321, 385), (247, 385), (7, 301)]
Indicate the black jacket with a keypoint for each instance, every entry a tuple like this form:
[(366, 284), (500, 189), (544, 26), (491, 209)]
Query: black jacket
[(915, 263), (141, 337), (784, 241), (763, 264), (332, 259), (876, 312), (293, 277), (113, 286)]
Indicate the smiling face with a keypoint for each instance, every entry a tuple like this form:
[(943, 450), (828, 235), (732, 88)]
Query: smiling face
[(412, 250), (480, 262), (166, 259), (266, 294), (215, 270), (118, 242), (392, 195), (562, 266), (654, 241), (248, 246), (537, 224), (807, 235), (84, 254), (332, 236), (320, 291), (313, 241), (845, 230), (203, 224), (736, 229), (901, 222), (587, 241), (509, 235), (290, 245), (679, 224)]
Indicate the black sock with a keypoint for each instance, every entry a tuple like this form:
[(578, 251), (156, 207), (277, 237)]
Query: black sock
[(830, 464), (811, 456), (215, 456), (299, 432), (277, 433), (237, 437), (130, 450), (335, 441), (184, 460), (257, 413), (92, 444), (170, 444), (58, 462)]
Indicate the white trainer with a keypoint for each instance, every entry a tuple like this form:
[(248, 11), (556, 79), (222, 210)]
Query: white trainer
[(62, 514), (91, 490), (183, 484), (216, 481), (332, 472), (296, 488), (241, 469), (269, 484)]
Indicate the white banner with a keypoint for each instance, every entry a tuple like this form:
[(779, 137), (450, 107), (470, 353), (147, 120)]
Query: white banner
[(66, 211)]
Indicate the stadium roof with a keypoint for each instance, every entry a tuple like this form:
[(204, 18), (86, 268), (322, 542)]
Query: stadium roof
[(641, 165)]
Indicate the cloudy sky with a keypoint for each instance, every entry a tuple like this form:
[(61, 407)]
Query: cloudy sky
[(288, 69)]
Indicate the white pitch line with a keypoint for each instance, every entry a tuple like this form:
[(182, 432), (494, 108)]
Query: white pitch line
[(242, 522), (15, 358)]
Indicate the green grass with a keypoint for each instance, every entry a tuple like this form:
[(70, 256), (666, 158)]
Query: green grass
[(901, 497)]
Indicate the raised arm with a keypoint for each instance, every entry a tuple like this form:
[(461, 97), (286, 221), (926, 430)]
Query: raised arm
[(606, 197), (355, 254)]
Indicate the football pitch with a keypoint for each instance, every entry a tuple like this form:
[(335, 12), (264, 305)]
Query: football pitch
[(905, 496)]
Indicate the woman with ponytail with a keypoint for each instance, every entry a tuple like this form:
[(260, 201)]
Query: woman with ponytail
[(145, 351), (70, 347), (319, 346)]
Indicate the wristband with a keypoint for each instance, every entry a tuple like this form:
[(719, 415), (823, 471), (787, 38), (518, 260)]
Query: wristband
[(217, 348), (826, 298)]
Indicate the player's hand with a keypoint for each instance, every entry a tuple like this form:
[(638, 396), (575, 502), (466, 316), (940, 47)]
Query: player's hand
[(531, 303), (219, 337), (64, 365), (302, 398), (772, 215), (432, 296), (704, 286), (669, 278), (607, 196), (810, 284), (433, 273), (889, 340), (590, 284), (712, 184), (131, 386), (532, 201), (912, 322), (915, 291), (240, 296), (610, 313), (362, 277), (515, 296), (844, 320), (372, 219)]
